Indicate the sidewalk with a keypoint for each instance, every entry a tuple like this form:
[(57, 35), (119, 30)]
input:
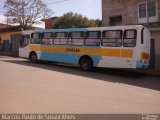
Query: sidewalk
[(9, 53)]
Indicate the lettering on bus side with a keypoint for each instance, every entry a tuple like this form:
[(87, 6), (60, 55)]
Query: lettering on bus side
[(72, 50)]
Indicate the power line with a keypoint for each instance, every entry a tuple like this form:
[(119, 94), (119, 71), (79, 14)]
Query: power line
[(57, 2), (46, 4)]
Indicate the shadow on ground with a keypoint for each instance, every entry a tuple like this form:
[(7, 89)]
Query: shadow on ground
[(110, 75)]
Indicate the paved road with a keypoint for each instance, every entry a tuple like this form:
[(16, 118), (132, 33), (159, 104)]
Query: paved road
[(45, 88)]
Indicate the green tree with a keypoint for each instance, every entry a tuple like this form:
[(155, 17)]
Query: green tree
[(74, 20), (26, 12)]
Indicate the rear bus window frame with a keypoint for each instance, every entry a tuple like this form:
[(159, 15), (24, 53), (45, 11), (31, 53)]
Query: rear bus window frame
[(135, 37)]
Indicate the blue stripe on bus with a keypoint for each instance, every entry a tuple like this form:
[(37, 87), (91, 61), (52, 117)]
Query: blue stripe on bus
[(67, 58)]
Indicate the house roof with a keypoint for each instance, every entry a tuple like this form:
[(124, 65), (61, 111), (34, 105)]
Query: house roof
[(52, 18), (10, 29), (2, 25), (14, 29)]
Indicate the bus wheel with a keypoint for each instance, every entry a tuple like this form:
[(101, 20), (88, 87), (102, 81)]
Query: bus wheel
[(86, 64), (33, 57)]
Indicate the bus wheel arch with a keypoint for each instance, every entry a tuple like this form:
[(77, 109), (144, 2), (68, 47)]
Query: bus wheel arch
[(33, 57), (86, 63)]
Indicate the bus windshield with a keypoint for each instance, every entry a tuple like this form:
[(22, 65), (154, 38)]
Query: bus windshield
[(24, 40)]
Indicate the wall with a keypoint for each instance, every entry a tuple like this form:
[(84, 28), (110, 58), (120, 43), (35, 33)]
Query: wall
[(49, 23), (156, 35), (7, 35), (127, 8), (12, 45)]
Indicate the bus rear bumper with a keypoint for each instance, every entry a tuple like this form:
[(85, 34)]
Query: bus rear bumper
[(141, 65)]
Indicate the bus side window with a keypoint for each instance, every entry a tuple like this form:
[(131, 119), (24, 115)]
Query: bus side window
[(76, 38), (93, 38), (35, 38), (112, 38), (129, 38), (47, 38), (60, 38), (24, 40)]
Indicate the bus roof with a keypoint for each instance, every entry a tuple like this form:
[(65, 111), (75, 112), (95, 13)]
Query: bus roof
[(91, 29)]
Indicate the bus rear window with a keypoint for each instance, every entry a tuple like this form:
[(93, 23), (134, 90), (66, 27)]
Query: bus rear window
[(76, 38), (129, 38), (93, 38), (112, 38)]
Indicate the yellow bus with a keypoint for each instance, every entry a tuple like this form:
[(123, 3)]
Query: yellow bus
[(107, 47)]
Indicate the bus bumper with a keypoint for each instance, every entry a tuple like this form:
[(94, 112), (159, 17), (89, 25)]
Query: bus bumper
[(141, 65)]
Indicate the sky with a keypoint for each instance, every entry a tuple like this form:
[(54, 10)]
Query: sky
[(89, 8)]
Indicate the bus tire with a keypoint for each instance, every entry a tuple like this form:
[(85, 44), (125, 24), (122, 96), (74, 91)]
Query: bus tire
[(33, 57), (86, 64)]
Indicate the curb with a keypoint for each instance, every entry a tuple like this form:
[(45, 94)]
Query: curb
[(151, 72)]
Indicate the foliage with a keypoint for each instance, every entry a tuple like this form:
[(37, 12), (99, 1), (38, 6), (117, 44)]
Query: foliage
[(26, 12), (74, 20)]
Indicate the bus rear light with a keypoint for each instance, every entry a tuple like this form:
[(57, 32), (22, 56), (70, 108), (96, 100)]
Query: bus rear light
[(144, 56)]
